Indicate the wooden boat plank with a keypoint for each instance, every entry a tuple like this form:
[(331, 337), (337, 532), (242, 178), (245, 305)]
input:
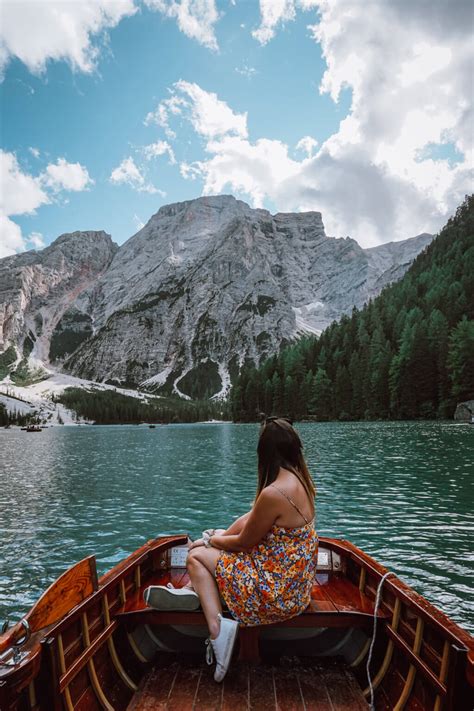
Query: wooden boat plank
[(314, 692), (235, 696), (261, 688), (346, 597), (87, 702), (112, 687), (320, 600), (343, 690), (155, 689), (209, 693), (287, 689), (330, 688), (185, 686)]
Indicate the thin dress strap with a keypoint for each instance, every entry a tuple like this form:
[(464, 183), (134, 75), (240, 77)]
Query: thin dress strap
[(291, 502)]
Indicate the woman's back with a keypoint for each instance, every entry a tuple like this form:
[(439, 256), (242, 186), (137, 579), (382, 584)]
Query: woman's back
[(292, 500)]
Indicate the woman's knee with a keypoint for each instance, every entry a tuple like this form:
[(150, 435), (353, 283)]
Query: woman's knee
[(193, 560)]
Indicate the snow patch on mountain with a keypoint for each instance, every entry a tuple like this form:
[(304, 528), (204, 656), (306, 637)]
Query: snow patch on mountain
[(158, 379), (308, 317), (225, 380), (39, 397)]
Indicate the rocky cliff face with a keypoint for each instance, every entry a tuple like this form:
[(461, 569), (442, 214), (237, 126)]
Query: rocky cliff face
[(37, 288), (205, 285)]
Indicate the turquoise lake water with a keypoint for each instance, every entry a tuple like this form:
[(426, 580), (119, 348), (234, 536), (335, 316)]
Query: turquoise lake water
[(404, 492)]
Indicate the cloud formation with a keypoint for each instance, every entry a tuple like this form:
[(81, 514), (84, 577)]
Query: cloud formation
[(36, 32), (66, 176), (210, 116), (195, 18), (159, 148), (277, 12), (377, 177), (76, 30), (307, 144), (23, 193), (128, 173)]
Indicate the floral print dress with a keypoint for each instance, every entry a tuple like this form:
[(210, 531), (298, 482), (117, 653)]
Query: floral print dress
[(273, 581)]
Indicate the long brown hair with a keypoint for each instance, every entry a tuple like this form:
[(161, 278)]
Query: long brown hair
[(279, 446)]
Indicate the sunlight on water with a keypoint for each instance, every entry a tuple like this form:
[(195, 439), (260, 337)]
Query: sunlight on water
[(401, 491)]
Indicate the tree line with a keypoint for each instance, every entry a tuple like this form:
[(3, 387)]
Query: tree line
[(14, 417), (110, 407), (407, 354)]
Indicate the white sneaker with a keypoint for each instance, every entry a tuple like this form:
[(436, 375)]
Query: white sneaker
[(222, 646), (167, 597)]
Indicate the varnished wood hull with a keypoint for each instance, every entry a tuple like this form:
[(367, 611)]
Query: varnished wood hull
[(93, 642)]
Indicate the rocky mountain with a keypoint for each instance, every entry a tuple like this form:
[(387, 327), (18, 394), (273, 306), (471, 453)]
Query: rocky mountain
[(203, 286), (37, 288)]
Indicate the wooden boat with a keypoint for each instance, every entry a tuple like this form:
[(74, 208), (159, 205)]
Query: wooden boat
[(32, 428), (92, 644)]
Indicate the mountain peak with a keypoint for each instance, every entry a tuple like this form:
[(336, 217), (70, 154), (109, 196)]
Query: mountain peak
[(204, 286)]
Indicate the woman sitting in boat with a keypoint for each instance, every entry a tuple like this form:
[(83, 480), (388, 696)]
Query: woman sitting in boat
[(263, 565)]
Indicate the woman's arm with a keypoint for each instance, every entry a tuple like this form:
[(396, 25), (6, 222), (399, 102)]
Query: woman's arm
[(257, 523), (238, 525)]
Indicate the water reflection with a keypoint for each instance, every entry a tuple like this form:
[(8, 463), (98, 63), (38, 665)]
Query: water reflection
[(401, 491)]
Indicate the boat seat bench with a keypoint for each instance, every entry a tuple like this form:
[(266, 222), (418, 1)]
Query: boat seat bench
[(336, 602)]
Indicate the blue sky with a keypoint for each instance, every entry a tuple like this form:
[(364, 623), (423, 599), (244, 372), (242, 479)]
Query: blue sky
[(244, 103)]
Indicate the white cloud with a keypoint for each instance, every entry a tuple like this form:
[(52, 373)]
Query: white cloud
[(409, 70), (22, 194), (11, 239), (66, 176), (35, 239), (127, 173), (210, 116), (159, 148), (36, 32), (256, 170), (277, 12), (195, 18), (167, 108), (34, 151), (307, 144)]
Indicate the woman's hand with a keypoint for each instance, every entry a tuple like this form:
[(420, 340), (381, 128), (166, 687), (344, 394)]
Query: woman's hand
[(196, 544)]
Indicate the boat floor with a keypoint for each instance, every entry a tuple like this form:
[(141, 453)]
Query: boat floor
[(186, 684)]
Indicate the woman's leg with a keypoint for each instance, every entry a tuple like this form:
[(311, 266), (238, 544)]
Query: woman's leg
[(233, 530), (201, 565)]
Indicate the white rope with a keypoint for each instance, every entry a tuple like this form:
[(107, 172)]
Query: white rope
[(371, 648)]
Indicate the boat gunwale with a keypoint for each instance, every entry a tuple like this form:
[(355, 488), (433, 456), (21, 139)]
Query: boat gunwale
[(428, 611)]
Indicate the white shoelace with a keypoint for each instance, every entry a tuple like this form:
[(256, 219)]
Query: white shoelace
[(209, 651)]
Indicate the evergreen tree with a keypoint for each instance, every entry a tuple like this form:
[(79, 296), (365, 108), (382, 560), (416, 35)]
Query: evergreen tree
[(461, 360), (322, 396), (406, 354)]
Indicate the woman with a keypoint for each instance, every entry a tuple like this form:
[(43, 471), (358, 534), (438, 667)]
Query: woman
[(263, 565)]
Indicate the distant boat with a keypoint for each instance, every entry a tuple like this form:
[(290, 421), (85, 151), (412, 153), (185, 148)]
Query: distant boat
[(32, 428), (93, 643), (152, 427)]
